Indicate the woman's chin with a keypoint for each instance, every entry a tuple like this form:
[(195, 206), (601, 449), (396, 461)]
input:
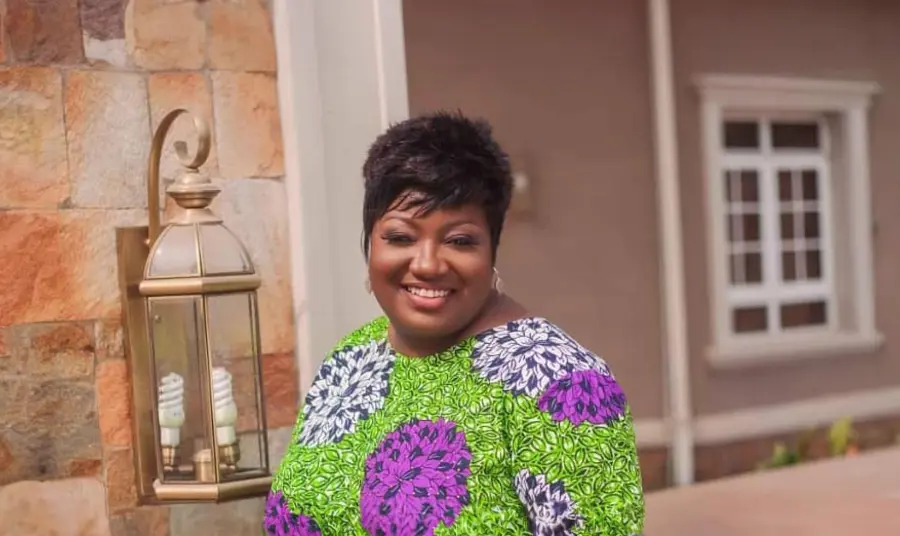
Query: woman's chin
[(427, 324)]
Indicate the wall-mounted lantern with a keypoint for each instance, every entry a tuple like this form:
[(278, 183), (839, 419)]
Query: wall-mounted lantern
[(192, 342)]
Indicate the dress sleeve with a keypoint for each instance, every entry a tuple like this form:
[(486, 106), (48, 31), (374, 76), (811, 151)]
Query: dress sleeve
[(315, 454), (574, 456)]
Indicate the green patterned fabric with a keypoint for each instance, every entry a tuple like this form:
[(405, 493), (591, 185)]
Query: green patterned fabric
[(519, 430)]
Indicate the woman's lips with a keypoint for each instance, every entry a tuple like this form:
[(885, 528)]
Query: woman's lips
[(427, 299)]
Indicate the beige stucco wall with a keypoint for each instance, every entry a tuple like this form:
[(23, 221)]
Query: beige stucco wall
[(566, 88), (838, 39)]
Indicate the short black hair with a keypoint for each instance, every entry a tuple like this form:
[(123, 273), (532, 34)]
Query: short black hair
[(445, 160)]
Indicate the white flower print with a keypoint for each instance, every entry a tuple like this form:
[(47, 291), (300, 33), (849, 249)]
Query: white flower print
[(349, 387), (527, 355), (551, 512)]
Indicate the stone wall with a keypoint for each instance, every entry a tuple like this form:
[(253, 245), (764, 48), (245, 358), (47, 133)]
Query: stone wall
[(82, 85)]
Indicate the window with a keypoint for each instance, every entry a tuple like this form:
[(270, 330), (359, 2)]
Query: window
[(787, 204), (777, 240)]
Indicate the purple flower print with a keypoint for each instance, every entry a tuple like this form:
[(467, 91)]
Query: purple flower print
[(416, 479), (585, 395), (281, 521)]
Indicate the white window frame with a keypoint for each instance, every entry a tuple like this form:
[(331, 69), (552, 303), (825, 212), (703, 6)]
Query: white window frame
[(727, 96), (772, 292)]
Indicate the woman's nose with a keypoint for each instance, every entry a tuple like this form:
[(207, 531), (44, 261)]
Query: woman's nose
[(427, 263)]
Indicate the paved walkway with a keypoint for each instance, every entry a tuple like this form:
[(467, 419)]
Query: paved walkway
[(852, 496)]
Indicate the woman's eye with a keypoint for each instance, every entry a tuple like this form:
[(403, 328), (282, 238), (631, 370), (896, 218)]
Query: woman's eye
[(398, 239), (462, 241)]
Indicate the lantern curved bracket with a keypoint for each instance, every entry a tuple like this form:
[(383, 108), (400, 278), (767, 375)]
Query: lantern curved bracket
[(192, 163)]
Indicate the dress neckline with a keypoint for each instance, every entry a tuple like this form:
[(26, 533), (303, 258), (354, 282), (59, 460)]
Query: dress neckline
[(452, 349)]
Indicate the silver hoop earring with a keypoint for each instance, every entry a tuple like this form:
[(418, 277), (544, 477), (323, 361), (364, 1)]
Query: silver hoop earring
[(368, 286), (497, 282)]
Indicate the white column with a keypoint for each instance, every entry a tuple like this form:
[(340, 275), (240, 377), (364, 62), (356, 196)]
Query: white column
[(675, 350), (341, 80), (861, 222)]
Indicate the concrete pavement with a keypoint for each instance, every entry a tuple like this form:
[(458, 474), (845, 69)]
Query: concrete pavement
[(859, 495)]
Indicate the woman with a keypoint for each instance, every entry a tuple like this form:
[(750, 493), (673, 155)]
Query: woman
[(458, 412)]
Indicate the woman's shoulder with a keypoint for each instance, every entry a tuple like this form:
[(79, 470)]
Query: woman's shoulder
[(528, 354), (353, 379), (533, 336), (373, 331)]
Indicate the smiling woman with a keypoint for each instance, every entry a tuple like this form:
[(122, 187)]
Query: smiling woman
[(458, 411)]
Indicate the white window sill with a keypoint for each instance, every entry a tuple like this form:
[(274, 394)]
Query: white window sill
[(787, 350)]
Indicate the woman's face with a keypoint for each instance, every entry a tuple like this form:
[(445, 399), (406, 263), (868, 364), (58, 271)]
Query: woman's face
[(432, 275)]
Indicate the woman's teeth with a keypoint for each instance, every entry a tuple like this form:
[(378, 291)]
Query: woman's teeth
[(428, 292)]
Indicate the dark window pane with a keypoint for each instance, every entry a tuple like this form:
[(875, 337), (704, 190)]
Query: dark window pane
[(795, 135), (811, 225), (748, 224), (751, 227), (789, 266), (753, 267), (741, 185), (804, 314), (814, 264), (749, 319), (745, 268), (787, 225), (749, 186), (810, 185), (741, 134), (784, 185)]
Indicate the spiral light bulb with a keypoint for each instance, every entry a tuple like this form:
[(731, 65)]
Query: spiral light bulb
[(225, 408), (171, 409)]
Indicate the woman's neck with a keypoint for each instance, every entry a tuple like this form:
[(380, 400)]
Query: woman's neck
[(499, 310), (412, 346)]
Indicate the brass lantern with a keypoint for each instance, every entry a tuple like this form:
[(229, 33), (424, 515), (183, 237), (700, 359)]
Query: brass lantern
[(192, 343)]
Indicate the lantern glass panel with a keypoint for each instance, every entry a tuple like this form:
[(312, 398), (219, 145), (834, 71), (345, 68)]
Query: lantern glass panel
[(222, 251), (175, 253), (179, 358), (235, 377)]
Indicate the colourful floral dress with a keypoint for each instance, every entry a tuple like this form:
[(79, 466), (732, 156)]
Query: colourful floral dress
[(518, 430)]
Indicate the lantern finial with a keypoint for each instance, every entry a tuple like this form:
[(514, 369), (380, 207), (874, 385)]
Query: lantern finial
[(196, 192)]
